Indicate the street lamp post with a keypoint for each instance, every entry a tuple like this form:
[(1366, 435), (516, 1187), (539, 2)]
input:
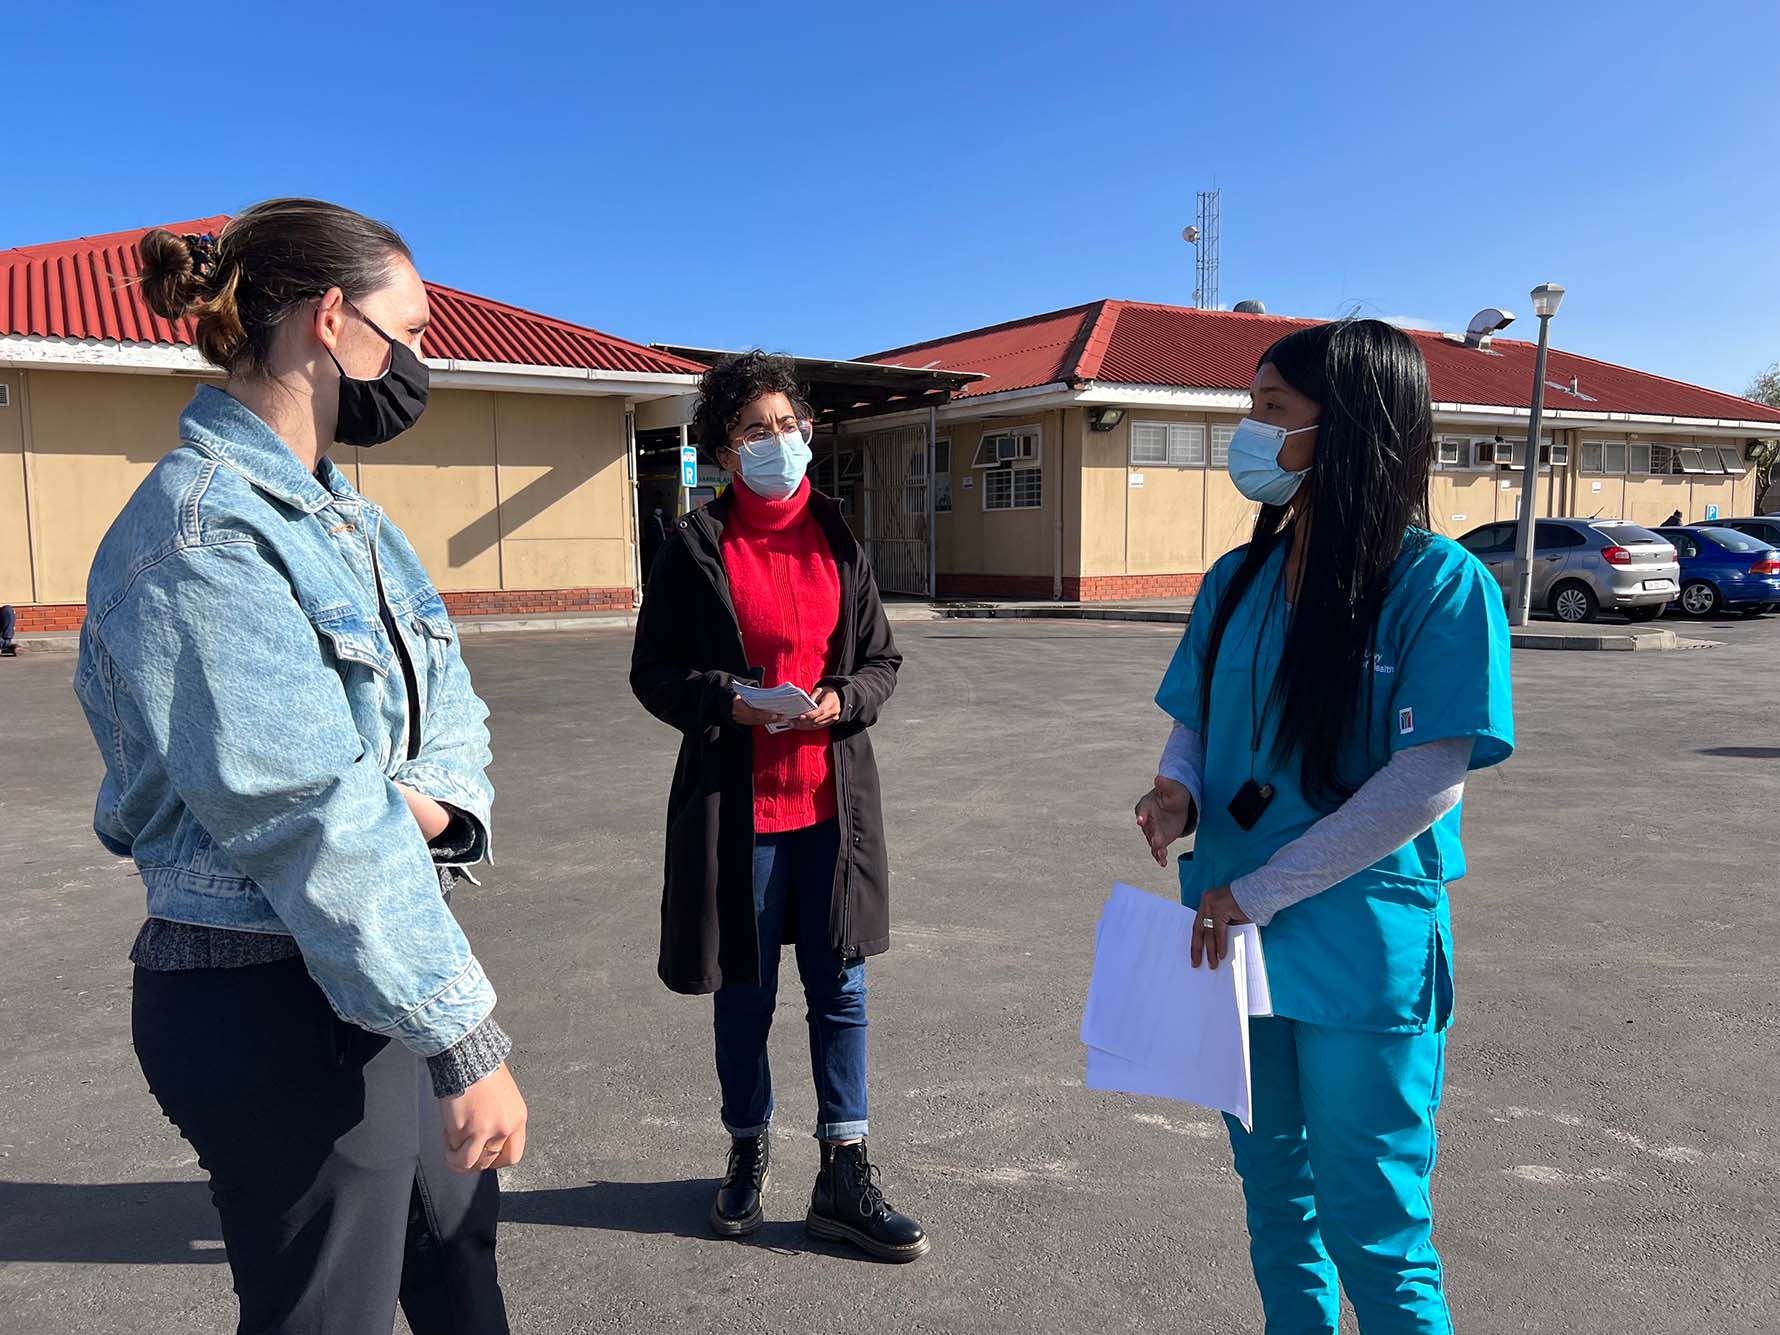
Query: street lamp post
[(1547, 297)]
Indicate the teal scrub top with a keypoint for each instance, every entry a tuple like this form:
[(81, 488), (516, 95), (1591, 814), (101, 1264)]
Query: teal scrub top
[(1372, 953)]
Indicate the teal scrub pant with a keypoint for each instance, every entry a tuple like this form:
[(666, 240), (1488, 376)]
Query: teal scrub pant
[(1336, 1177)]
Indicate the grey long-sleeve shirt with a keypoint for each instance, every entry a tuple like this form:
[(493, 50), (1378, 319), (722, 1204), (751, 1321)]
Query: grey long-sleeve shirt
[(1415, 788)]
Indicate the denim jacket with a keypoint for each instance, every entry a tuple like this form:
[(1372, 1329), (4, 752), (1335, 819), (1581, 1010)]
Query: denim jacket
[(253, 714)]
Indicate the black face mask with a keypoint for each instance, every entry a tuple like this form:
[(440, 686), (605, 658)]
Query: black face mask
[(375, 411)]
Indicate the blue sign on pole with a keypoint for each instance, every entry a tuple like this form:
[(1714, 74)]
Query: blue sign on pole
[(1711, 513), (688, 466)]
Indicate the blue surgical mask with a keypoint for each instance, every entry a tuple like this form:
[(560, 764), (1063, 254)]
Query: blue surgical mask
[(775, 468), (1254, 462)]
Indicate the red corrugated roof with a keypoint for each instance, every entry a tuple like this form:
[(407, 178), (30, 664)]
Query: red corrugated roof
[(81, 290), (1138, 343)]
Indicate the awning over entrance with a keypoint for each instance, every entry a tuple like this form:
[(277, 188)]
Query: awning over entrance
[(880, 478)]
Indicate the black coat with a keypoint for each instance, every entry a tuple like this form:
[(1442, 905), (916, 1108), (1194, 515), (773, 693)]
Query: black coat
[(688, 650)]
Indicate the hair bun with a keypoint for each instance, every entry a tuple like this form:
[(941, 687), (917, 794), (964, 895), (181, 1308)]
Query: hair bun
[(171, 284)]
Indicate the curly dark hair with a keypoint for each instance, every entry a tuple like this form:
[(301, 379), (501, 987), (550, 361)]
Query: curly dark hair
[(735, 382)]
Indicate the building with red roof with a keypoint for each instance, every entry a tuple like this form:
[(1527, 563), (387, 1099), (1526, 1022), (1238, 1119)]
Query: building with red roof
[(516, 486), (1088, 461)]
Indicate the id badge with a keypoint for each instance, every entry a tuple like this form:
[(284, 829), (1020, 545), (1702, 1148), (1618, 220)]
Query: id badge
[(1250, 802)]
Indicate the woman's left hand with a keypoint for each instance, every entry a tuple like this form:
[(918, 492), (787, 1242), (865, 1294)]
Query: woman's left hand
[(826, 714), (1218, 907), (432, 818)]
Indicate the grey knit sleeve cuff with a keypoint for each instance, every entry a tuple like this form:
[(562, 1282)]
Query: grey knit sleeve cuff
[(478, 1053)]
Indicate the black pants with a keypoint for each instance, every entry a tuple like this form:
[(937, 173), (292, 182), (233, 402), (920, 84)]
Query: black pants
[(325, 1149)]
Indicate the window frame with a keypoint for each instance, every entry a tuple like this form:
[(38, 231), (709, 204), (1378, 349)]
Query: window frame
[(1015, 432), (1214, 458), (1190, 430)]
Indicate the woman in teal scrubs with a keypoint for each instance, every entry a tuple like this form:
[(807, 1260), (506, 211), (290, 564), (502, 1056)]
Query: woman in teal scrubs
[(1341, 675)]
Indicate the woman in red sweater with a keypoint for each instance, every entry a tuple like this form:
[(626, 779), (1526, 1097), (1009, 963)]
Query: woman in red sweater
[(775, 834)]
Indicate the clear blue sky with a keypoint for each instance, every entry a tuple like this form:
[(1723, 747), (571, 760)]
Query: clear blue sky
[(831, 179)]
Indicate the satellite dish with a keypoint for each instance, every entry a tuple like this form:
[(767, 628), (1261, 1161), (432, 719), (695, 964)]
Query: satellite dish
[(1190, 235)]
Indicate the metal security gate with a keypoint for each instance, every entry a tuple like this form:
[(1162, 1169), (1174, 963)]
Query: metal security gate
[(897, 518)]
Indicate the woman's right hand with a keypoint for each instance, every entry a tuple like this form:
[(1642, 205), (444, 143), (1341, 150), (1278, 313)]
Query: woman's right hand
[(1162, 816), (747, 716), (485, 1125)]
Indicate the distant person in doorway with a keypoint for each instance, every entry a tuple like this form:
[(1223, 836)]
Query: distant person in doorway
[(1672, 520), (8, 620), (1341, 675), (297, 762), (774, 838), (655, 532)]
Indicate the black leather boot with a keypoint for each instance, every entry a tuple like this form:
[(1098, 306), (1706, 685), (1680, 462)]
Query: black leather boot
[(736, 1211), (847, 1206)]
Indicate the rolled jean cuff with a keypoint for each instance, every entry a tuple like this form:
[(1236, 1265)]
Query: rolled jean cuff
[(842, 1130), (745, 1133)]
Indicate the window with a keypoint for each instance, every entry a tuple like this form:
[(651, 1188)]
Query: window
[(1612, 458), (1695, 461), (1663, 461), (1167, 445), (1733, 541), (1591, 456), (1014, 480), (1732, 460), (1221, 436), (1549, 536), (1006, 447), (1511, 452), (942, 480), (1490, 540), (1013, 489), (942, 456), (1637, 457)]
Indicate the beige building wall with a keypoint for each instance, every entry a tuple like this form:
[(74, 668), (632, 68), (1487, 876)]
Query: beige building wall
[(1155, 519), (438, 483), (496, 490), (94, 436), (564, 492), (16, 582), (975, 541)]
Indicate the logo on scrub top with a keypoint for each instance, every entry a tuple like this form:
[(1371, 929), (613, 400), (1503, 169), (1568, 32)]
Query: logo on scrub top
[(1405, 721), (1381, 667)]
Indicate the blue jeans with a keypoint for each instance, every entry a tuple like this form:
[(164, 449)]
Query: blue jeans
[(794, 881), (7, 621), (1336, 1177)]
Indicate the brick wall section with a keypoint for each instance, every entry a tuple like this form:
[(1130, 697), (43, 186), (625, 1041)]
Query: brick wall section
[(537, 602), (1076, 588), (41, 618)]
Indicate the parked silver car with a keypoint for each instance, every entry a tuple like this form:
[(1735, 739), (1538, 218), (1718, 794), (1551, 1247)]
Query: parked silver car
[(1582, 566)]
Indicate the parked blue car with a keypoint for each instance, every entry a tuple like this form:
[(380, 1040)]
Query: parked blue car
[(1722, 568)]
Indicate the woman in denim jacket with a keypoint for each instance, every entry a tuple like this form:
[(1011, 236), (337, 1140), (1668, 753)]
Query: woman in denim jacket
[(295, 759)]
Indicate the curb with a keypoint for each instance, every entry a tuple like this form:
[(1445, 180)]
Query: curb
[(1644, 641)]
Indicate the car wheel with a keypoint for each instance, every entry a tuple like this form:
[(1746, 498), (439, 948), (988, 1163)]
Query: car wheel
[(1699, 599), (1650, 613), (1574, 603)]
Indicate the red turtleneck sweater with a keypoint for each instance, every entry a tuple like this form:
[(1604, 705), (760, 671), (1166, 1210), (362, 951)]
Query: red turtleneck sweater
[(787, 593)]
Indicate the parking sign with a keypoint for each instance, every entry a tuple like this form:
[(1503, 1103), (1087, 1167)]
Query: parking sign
[(1711, 513), (688, 466)]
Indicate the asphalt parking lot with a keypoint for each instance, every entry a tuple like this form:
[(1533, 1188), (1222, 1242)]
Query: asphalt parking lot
[(1609, 1159)]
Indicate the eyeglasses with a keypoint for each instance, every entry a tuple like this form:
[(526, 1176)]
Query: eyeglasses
[(762, 438)]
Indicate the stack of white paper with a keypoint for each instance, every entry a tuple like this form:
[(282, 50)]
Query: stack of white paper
[(1156, 1025), (785, 700)]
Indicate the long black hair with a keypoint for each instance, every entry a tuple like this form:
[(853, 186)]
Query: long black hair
[(1367, 488)]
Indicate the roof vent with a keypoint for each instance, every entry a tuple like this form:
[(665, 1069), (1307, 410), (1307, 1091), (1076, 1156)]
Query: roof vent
[(1485, 325), (1251, 307)]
